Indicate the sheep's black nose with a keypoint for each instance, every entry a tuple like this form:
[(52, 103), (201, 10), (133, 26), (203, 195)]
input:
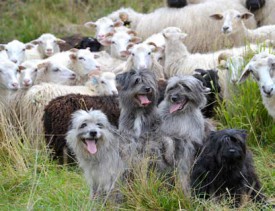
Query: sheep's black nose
[(225, 28), (174, 98), (147, 89), (93, 133)]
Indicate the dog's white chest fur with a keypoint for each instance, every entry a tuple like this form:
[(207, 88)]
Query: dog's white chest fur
[(138, 125)]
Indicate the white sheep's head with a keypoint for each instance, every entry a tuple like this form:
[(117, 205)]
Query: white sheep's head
[(141, 55), (233, 20), (8, 75), (28, 72), (233, 65), (16, 50), (103, 83), (48, 44), (85, 59), (262, 67), (103, 27), (56, 73), (119, 41)]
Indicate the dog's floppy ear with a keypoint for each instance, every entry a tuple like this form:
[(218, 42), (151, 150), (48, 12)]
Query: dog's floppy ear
[(121, 79), (243, 134)]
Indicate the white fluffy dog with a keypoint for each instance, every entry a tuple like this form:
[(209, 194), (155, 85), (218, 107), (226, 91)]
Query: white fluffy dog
[(93, 141)]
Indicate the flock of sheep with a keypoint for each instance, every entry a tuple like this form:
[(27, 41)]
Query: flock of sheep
[(201, 34)]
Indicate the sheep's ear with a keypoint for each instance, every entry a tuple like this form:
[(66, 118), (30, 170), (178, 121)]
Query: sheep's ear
[(60, 41), (2, 47), (217, 16), (36, 42), (96, 56), (20, 68), (167, 35), (244, 75), (136, 40), (43, 66), (223, 57), (29, 46), (183, 36), (90, 24), (123, 16), (271, 63), (132, 32), (118, 23), (125, 53), (106, 42), (246, 15), (73, 57)]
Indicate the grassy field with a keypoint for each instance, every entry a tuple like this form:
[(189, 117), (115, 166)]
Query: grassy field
[(29, 180)]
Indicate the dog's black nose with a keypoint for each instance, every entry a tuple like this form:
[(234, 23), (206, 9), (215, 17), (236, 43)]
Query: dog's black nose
[(147, 89), (174, 98), (93, 133)]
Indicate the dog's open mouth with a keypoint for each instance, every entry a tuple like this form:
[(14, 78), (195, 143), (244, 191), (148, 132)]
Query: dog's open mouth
[(178, 106), (91, 145), (143, 100)]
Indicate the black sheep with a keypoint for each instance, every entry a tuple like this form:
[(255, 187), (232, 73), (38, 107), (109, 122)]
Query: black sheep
[(89, 42), (176, 3)]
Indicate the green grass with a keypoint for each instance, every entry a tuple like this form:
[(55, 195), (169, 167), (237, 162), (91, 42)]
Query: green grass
[(29, 180)]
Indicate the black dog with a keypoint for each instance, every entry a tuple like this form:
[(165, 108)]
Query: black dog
[(225, 167)]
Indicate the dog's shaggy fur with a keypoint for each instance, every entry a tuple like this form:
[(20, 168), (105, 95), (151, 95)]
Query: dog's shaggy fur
[(225, 167), (139, 121), (182, 119), (93, 141), (137, 100)]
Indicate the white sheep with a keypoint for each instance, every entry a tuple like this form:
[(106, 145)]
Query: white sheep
[(37, 97), (178, 60), (104, 26), (8, 79), (118, 42), (234, 28), (45, 46), (3, 55), (262, 67), (202, 33), (81, 61), (16, 50), (141, 56)]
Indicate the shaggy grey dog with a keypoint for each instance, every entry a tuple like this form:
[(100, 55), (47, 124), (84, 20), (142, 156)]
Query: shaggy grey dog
[(94, 143), (225, 167), (139, 121), (182, 119)]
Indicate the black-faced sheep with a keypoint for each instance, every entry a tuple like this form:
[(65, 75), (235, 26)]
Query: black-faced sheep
[(57, 117), (176, 3)]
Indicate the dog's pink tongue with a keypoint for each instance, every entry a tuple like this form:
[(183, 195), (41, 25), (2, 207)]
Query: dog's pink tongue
[(175, 107), (91, 146), (144, 100)]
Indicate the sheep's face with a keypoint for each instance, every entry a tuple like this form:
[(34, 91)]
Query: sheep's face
[(234, 66), (119, 42), (184, 93), (28, 74), (8, 75), (103, 27), (86, 61), (104, 83), (48, 44), (262, 67), (142, 56), (56, 73), (232, 20), (16, 50), (89, 132)]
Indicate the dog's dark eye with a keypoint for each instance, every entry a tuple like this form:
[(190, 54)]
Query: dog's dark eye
[(187, 88), (83, 125), (149, 53), (100, 125), (56, 70), (103, 82), (137, 80)]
